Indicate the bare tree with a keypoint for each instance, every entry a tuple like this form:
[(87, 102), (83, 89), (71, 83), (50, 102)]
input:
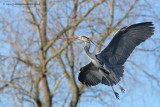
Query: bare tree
[(39, 65)]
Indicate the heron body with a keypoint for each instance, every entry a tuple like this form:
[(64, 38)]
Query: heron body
[(107, 67)]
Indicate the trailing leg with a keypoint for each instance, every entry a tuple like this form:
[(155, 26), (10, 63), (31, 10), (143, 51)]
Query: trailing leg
[(116, 94)]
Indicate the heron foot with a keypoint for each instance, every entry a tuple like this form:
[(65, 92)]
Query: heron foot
[(117, 95), (122, 90)]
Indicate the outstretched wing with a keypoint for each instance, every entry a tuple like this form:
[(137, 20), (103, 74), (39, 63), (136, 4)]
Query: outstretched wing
[(125, 41), (89, 75)]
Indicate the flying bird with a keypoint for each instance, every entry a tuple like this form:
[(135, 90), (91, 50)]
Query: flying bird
[(107, 67)]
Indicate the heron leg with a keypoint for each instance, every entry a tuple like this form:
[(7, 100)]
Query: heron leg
[(122, 90), (116, 94)]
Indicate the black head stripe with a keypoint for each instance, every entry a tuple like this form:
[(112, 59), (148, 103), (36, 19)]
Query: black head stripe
[(85, 37)]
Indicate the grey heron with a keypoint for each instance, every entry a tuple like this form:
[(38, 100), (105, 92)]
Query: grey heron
[(107, 66)]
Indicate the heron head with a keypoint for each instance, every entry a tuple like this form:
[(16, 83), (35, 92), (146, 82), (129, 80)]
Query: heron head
[(83, 38)]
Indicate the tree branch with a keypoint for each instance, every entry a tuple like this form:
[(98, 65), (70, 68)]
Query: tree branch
[(57, 84), (72, 25), (126, 14), (57, 53), (32, 17)]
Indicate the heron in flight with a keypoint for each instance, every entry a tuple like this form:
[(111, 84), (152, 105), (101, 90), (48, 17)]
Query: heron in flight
[(107, 66)]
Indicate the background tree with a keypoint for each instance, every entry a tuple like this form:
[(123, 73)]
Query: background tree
[(39, 65)]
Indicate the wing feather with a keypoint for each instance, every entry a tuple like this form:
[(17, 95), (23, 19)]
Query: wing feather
[(125, 41), (89, 75)]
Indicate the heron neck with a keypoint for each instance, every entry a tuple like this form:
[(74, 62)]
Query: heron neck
[(86, 48)]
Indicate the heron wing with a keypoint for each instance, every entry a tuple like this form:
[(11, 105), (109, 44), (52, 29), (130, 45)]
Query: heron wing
[(89, 75), (125, 41)]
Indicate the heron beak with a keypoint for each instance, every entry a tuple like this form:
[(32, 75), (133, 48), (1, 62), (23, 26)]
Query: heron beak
[(75, 37)]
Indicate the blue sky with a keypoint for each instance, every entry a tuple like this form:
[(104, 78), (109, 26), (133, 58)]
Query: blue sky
[(140, 90)]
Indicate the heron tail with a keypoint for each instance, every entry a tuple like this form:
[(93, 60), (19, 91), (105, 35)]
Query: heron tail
[(118, 70)]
